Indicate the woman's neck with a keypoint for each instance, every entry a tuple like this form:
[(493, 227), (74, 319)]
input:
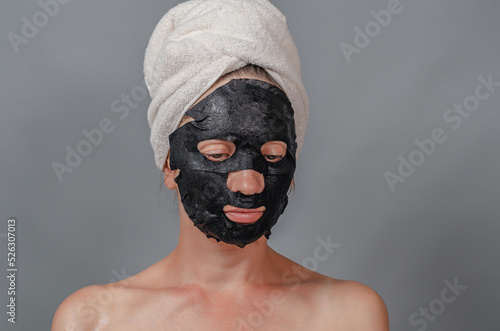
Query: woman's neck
[(217, 265)]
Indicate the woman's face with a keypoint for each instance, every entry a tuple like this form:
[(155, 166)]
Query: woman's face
[(236, 160)]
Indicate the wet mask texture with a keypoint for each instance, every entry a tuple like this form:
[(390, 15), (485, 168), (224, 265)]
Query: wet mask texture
[(247, 113)]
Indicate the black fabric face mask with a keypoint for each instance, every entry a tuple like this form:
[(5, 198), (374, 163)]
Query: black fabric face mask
[(247, 113)]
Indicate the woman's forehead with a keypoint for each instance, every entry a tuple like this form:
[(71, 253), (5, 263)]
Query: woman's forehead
[(247, 104), (226, 79)]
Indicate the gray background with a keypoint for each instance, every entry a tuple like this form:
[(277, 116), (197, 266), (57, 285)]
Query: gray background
[(108, 216)]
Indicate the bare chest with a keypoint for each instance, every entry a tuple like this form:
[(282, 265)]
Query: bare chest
[(275, 309)]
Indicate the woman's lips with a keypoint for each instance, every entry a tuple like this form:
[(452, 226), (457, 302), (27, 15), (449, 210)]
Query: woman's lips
[(242, 215)]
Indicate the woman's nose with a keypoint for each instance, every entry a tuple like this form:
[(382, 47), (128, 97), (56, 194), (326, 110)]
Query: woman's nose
[(246, 182)]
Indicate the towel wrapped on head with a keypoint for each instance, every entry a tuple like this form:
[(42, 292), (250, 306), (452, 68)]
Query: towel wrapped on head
[(199, 41)]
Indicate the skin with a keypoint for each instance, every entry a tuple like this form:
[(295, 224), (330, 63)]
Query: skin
[(207, 285)]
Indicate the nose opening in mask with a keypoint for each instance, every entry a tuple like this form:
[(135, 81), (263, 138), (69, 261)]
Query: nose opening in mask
[(246, 182)]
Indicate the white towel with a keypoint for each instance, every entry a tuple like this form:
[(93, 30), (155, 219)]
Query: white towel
[(198, 41)]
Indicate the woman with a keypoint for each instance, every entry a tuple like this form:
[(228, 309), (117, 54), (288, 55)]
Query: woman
[(230, 158)]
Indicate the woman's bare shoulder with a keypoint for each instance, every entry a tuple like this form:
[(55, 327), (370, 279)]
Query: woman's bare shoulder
[(80, 309), (355, 306), (90, 307)]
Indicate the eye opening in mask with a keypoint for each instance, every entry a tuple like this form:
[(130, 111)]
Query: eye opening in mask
[(274, 151), (216, 150)]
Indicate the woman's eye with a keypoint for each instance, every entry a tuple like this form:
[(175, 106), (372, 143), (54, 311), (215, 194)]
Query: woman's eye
[(216, 150), (273, 151), (273, 158), (216, 156)]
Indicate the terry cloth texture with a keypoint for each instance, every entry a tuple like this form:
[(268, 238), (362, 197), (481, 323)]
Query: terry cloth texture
[(198, 41)]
